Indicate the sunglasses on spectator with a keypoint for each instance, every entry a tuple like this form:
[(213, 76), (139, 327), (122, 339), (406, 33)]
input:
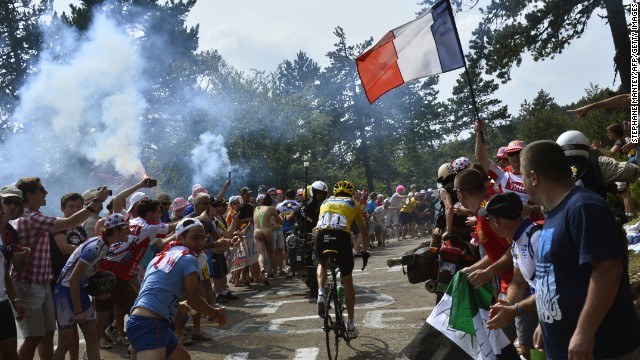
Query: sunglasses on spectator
[(10, 202), (41, 188), (513, 154), (166, 204)]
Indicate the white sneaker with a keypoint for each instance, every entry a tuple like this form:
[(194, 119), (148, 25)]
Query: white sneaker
[(352, 330)]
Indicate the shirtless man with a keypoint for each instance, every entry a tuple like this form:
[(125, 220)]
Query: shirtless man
[(263, 234)]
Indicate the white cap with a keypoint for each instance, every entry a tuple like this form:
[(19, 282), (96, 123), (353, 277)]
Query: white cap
[(137, 196)]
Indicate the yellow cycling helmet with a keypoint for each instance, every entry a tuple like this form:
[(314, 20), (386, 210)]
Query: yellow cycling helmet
[(344, 187)]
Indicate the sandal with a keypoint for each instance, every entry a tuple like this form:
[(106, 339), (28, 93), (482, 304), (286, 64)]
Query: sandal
[(201, 337)]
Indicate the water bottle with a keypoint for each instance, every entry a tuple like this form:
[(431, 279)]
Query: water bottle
[(340, 293)]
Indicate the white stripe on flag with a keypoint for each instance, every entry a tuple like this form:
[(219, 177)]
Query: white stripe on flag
[(416, 49), (487, 342)]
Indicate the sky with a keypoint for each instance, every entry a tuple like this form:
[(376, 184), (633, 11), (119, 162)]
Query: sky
[(261, 34)]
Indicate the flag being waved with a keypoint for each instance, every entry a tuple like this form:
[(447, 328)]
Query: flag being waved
[(428, 45), (457, 327)]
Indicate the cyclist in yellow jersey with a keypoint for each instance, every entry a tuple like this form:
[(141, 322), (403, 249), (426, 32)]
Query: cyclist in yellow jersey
[(333, 232)]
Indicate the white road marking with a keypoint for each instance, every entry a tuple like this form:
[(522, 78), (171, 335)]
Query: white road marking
[(274, 325), (395, 268), (306, 354), (379, 300), (374, 319), (237, 356), (266, 292)]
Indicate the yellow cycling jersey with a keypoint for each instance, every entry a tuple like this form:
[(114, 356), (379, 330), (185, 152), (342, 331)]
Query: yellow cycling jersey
[(338, 213), (409, 205)]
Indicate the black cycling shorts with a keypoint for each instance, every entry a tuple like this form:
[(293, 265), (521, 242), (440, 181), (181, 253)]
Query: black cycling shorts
[(341, 242), (219, 269), (406, 218)]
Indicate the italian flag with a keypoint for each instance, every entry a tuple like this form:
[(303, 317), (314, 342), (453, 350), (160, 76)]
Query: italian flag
[(428, 45), (457, 327)]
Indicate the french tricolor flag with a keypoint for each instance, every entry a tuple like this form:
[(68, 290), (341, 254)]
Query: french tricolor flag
[(427, 46)]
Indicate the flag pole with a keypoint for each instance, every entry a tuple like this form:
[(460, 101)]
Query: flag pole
[(466, 70)]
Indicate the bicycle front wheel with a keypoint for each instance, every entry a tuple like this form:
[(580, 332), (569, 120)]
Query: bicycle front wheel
[(332, 328)]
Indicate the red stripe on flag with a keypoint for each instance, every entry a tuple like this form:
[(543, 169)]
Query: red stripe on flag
[(378, 68)]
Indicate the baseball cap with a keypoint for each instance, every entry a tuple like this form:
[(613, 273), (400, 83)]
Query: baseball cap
[(181, 228), (461, 163), (137, 196), (11, 191), (89, 195), (245, 190), (502, 153), (234, 198), (115, 220), (399, 188), (515, 146), (505, 206), (279, 191)]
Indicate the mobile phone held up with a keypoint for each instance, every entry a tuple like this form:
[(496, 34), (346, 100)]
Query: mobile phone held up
[(152, 182)]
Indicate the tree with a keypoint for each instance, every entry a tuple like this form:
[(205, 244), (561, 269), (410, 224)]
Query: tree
[(541, 118), (545, 29), (461, 103), (20, 41)]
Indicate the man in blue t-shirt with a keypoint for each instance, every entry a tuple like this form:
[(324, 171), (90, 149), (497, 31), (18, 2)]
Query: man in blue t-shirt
[(582, 285)]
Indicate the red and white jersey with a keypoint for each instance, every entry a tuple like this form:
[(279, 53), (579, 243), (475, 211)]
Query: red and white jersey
[(123, 259), (507, 181)]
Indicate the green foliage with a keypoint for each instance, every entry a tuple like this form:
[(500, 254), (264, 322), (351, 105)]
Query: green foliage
[(273, 122)]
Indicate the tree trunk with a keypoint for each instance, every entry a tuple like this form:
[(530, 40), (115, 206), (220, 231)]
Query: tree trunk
[(621, 42), (366, 162)]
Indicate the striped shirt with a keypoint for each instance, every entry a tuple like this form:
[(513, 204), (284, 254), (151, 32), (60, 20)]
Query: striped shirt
[(33, 229)]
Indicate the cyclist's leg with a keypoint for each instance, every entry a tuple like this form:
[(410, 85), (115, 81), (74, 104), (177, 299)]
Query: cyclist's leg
[(349, 295)]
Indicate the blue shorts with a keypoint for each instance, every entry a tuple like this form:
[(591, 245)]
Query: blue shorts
[(147, 333), (64, 307)]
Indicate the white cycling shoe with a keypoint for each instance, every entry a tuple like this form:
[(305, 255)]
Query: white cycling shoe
[(352, 330)]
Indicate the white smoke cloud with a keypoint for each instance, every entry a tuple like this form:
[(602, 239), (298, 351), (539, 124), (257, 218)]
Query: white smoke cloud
[(209, 159), (89, 106)]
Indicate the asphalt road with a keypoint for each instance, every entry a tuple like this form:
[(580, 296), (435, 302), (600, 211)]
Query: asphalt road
[(278, 321)]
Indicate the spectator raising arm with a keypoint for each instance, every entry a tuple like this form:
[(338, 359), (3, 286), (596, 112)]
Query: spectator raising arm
[(119, 199), (482, 154), (619, 101)]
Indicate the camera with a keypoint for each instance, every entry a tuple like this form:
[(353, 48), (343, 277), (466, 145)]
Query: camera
[(152, 182), (110, 192)]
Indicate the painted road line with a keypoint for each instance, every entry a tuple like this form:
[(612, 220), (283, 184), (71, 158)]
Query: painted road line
[(306, 354), (266, 292), (275, 324), (379, 300), (237, 356), (377, 320), (395, 268)]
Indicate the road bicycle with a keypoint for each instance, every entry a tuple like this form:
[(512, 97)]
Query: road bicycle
[(335, 299)]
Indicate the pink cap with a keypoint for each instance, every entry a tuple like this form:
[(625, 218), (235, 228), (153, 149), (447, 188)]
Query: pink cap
[(399, 189), (197, 189), (515, 145), (179, 203), (502, 153)]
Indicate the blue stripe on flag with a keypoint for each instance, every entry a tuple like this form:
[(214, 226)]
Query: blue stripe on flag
[(446, 37)]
